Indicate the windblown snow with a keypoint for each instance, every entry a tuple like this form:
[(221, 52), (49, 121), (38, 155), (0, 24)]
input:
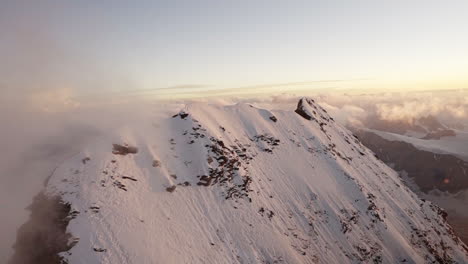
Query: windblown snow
[(237, 184)]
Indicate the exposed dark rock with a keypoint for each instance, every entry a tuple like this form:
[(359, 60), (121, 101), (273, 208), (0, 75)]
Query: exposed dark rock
[(205, 180), (349, 218), (300, 110), (119, 185), (273, 118), (171, 188), (372, 209), (265, 212), (270, 141), (181, 114), (156, 163), (186, 183), (123, 149), (94, 209), (226, 168), (44, 235), (129, 178)]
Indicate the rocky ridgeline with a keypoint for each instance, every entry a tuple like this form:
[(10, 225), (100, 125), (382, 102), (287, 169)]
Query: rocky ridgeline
[(225, 167), (110, 177), (310, 110), (422, 238), (227, 164)]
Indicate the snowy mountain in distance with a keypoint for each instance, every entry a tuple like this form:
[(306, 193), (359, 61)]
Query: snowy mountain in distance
[(238, 184), (454, 145), (427, 127)]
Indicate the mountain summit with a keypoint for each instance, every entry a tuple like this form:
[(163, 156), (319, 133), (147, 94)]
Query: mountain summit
[(239, 184)]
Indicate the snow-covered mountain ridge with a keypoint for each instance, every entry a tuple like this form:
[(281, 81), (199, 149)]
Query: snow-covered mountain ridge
[(239, 184)]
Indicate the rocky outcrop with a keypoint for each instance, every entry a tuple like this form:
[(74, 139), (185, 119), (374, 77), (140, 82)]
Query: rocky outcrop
[(301, 108), (44, 236), (125, 149)]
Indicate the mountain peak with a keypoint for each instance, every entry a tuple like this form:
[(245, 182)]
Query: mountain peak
[(238, 184), (310, 110)]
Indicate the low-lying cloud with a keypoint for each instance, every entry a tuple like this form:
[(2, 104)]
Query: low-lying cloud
[(450, 107)]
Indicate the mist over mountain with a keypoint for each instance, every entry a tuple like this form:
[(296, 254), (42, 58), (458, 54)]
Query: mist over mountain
[(233, 131), (222, 183)]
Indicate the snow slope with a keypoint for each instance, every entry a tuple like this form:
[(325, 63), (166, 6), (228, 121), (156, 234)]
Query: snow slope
[(238, 184)]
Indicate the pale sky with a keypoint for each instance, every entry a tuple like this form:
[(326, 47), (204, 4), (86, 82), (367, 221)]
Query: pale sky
[(92, 46)]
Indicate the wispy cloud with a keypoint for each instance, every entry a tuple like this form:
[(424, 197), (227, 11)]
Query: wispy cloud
[(185, 86)]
